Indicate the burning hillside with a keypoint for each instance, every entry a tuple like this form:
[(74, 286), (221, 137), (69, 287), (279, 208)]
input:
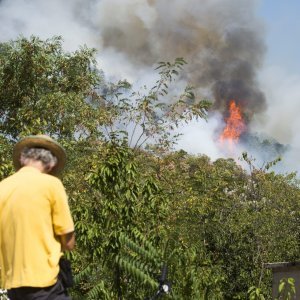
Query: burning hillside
[(236, 136), (235, 125)]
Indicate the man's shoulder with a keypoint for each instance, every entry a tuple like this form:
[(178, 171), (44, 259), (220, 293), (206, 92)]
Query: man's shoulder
[(51, 179), (7, 180)]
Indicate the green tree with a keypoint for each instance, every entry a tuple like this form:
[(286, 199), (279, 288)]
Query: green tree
[(121, 202), (44, 89), (233, 219), (148, 118)]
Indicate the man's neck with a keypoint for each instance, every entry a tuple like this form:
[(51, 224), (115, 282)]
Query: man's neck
[(35, 164)]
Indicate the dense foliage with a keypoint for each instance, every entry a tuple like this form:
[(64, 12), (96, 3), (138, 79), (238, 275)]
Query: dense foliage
[(138, 205)]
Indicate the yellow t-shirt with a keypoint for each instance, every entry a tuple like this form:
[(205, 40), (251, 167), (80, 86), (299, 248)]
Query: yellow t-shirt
[(33, 211)]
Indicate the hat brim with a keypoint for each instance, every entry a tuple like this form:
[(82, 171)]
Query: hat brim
[(41, 142)]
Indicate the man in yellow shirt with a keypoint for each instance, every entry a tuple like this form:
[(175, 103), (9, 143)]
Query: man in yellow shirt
[(35, 222)]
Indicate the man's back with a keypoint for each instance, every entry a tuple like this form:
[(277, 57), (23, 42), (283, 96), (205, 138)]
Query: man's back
[(33, 210)]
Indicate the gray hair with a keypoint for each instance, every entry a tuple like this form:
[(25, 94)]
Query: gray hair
[(41, 154)]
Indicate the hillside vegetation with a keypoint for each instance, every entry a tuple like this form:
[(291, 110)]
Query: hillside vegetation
[(137, 204)]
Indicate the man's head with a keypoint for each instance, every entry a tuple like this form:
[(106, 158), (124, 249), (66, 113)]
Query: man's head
[(45, 157), (41, 149)]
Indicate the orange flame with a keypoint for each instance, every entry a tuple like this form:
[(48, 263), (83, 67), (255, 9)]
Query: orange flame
[(235, 125)]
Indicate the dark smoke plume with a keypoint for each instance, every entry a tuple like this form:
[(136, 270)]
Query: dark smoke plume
[(221, 41)]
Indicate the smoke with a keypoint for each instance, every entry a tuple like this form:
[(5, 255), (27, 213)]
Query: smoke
[(222, 41), (44, 19)]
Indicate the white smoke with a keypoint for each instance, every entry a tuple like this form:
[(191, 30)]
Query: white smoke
[(44, 19), (222, 40), (281, 119)]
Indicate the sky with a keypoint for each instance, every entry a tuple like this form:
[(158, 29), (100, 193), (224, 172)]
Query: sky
[(131, 35), (280, 75), (282, 23)]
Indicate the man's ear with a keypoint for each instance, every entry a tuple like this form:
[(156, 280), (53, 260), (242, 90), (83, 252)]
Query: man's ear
[(48, 168), (22, 161)]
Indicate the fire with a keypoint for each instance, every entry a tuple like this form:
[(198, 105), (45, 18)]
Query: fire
[(235, 125)]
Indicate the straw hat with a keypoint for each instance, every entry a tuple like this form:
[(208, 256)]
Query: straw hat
[(40, 141)]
